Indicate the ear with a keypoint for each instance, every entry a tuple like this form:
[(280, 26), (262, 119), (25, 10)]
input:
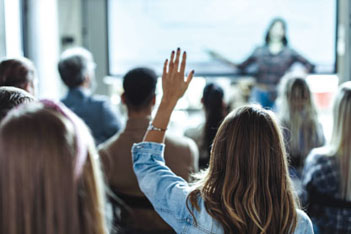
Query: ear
[(123, 98), (29, 87)]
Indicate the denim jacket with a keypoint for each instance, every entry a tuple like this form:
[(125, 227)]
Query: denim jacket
[(168, 194)]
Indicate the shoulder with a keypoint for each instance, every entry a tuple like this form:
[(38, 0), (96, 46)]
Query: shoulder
[(304, 223), (110, 145), (98, 100), (180, 142)]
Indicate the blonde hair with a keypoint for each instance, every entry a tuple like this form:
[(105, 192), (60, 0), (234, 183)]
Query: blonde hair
[(340, 143), (298, 115), (40, 189), (247, 187)]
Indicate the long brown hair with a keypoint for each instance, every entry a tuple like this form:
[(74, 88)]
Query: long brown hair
[(246, 187), (41, 191)]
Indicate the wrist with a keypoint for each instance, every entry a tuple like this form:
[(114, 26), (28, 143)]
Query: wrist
[(168, 103)]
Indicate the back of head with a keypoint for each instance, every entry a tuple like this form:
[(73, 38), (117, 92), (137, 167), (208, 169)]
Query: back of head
[(213, 102), (247, 188), (139, 88), (47, 184), (17, 72), (11, 97), (340, 143), (75, 65)]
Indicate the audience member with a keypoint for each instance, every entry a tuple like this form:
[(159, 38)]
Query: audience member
[(298, 116), (18, 72), (246, 188), (327, 172), (50, 177), (181, 153), (215, 111), (76, 68), (11, 97)]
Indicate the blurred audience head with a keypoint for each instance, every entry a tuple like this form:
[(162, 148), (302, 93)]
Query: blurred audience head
[(139, 89), (18, 72), (77, 68), (50, 176), (295, 98), (276, 31), (340, 143), (11, 97), (215, 109), (297, 112), (247, 186)]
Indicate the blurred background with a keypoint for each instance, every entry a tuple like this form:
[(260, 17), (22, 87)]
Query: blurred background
[(123, 34)]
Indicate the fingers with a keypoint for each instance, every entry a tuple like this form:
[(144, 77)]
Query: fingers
[(176, 63), (183, 64), (165, 67), (190, 77), (171, 63)]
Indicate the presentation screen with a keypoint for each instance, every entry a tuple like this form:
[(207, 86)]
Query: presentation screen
[(143, 32)]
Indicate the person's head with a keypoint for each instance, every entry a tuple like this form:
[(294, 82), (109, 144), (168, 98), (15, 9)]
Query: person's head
[(276, 31), (340, 143), (18, 72), (11, 97), (295, 95), (139, 90), (215, 109), (50, 177), (77, 68), (297, 112), (246, 187)]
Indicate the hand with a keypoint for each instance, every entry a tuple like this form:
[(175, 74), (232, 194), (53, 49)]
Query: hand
[(173, 83)]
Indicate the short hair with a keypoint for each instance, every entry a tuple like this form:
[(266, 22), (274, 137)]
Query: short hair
[(139, 87), (16, 72), (74, 65), (11, 97)]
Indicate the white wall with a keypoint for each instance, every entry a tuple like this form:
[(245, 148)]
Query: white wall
[(43, 45), (2, 30)]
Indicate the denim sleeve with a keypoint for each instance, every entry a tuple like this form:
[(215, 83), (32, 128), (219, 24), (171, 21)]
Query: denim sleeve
[(304, 223), (166, 191)]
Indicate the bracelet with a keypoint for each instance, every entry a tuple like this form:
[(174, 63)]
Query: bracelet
[(153, 128)]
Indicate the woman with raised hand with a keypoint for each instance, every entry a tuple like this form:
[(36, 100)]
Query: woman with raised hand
[(246, 188), (50, 178)]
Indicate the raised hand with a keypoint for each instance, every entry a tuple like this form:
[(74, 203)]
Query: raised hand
[(174, 86), (173, 83)]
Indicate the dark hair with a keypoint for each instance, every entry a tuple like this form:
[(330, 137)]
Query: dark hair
[(212, 99), (74, 66), (273, 22), (16, 72), (139, 87), (11, 97)]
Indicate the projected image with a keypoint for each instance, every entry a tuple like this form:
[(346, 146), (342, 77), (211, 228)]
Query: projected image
[(221, 35)]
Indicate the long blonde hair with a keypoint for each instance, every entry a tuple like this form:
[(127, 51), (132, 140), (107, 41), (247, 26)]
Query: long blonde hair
[(340, 143), (298, 115), (246, 187), (48, 183)]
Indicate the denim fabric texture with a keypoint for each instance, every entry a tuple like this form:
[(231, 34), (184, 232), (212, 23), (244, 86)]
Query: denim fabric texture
[(168, 194)]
